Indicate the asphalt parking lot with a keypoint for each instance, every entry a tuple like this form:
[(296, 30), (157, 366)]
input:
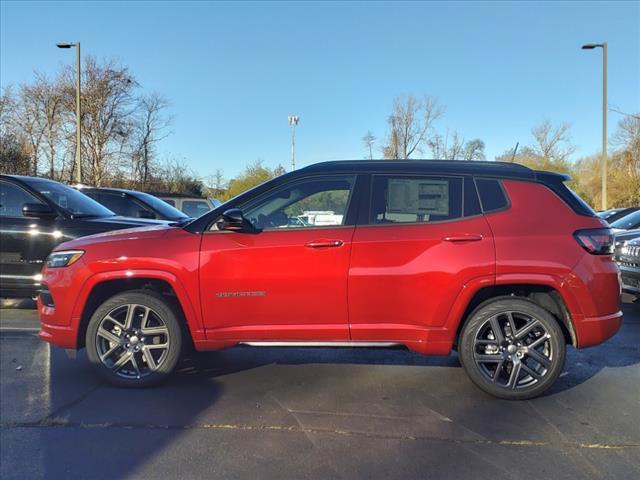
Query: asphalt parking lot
[(314, 413)]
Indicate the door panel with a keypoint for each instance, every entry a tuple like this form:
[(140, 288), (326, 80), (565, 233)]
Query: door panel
[(422, 241), (405, 278), (288, 284)]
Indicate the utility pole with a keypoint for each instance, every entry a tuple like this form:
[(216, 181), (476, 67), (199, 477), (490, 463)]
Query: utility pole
[(293, 121), (603, 46), (78, 169)]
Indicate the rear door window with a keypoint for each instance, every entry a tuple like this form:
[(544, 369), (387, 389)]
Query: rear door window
[(414, 199), (492, 196)]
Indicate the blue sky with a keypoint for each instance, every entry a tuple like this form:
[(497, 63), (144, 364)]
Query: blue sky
[(234, 71)]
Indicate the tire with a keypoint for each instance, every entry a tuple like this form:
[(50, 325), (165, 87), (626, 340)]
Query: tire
[(134, 339), (513, 367)]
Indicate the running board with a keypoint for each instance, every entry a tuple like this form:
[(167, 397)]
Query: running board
[(323, 344)]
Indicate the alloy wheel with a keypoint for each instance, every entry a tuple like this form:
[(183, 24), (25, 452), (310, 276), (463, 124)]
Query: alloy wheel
[(132, 341), (513, 350)]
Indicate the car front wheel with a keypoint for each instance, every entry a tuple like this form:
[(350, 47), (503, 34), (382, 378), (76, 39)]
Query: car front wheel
[(512, 348), (134, 339)]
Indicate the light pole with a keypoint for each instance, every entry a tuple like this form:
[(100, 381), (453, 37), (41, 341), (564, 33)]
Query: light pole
[(591, 46), (78, 173), (293, 121)]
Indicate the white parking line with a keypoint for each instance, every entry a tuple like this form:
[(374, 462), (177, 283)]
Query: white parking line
[(19, 329)]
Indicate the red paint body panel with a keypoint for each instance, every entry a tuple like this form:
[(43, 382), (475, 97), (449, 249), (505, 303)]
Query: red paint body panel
[(407, 283), (404, 279), (274, 286)]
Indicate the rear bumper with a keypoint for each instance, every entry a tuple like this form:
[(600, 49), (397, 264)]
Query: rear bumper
[(595, 330)]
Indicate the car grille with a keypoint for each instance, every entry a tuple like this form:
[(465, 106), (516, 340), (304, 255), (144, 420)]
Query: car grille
[(628, 255)]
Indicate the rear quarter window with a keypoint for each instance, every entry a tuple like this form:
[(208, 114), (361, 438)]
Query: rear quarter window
[(492, 196)]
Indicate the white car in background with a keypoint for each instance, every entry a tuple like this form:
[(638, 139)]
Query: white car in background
[(192, 206)]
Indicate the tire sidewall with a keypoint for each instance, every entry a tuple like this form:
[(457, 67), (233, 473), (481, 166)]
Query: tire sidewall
[(480, 316), (168, 315)]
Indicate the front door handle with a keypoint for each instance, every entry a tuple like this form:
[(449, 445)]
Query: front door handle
[(323, 243), (462, 238)]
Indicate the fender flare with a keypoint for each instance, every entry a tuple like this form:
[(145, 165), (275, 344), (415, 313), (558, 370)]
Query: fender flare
[(191, 313)]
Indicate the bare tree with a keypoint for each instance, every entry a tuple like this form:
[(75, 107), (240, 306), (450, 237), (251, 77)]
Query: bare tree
[(108, 106), (552, 143), (627, 137), (410, 125), (46, 97), (150, 128), (31, 123), (456, 148), (368, 140), (474, 150)]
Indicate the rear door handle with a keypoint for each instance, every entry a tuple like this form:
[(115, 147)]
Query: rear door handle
[(462, 238), (324, 243)]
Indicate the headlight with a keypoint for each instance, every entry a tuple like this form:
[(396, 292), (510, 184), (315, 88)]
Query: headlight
[(63, 258)]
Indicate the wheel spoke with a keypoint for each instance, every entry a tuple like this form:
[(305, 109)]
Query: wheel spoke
[(107, 335), (108, 353), (538, 357), (122, 361), (151, 363), (515, 373), (486, 341), (145, 317), (153, 346), (113, 320), (135, 364), (531, 371), (496, 374), (527, 328), (497, 331), (538, 341), (149, 331), (487, 358), (131, 309), (512, 323)]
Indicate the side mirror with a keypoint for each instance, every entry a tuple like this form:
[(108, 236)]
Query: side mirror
[(233, 220), (38, 210), (146, 214)]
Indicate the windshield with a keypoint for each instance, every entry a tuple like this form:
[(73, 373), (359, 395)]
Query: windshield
[(161, 206), (628, 221), (71, 200)]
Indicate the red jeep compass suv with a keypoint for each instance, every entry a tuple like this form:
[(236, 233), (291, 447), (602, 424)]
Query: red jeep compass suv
[(503, 263)]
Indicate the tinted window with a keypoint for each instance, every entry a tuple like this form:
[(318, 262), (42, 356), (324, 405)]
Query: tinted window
[(415, 199), (491, 194), (69, 199), (118, 203), (314, 202), (471, 203), (13, 198), (160, 206), (628, 222), (195, 208), (170, 202)]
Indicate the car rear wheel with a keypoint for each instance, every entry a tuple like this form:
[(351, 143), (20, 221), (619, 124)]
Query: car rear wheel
[(134, 339), (512, 348)]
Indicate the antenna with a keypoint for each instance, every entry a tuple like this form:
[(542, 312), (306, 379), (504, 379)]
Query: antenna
[(515, 150)]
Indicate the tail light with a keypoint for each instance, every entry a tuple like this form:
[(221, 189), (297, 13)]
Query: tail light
[(597, 241)]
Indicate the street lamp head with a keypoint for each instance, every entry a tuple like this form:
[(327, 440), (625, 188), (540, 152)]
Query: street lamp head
[(65, 45), (591, 46)]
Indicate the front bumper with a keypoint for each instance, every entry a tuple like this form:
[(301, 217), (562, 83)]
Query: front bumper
[(630, 278)]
